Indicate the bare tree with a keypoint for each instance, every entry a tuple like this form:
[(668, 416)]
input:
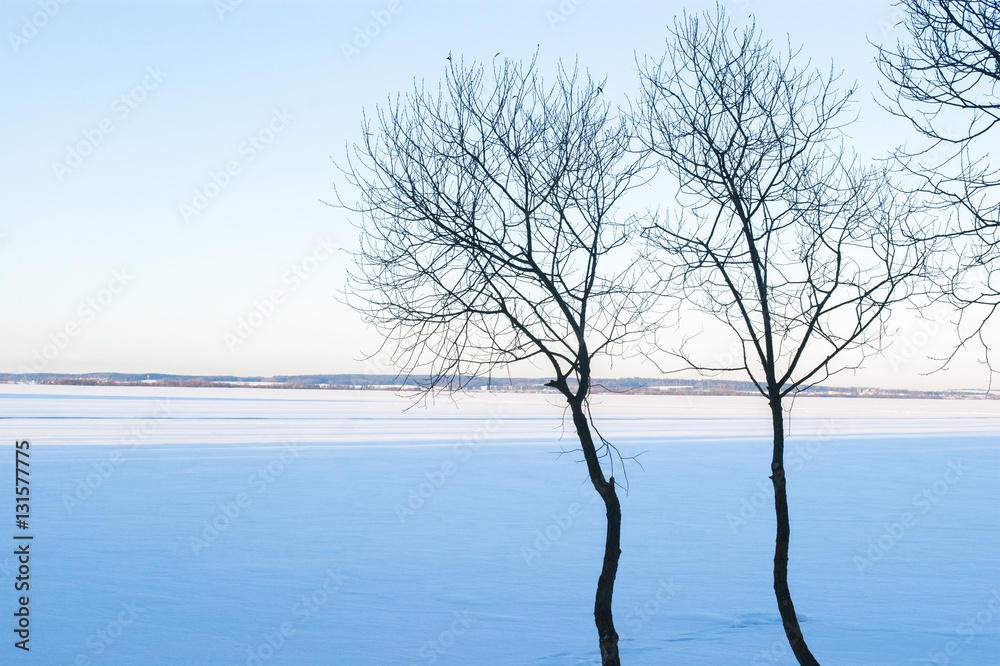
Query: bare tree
[(944, 80), (783, 239), (489, 238)]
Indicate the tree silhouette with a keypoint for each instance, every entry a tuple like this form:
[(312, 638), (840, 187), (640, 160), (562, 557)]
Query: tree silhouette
[(944, 80), (489, 238), (782, 237)]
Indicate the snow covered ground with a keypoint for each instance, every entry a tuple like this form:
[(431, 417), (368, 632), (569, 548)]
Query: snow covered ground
[(243, 526)]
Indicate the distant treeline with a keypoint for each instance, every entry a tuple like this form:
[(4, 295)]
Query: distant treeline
[(627, 385)]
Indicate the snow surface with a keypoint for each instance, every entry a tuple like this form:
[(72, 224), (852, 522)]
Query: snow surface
[(895, 509)]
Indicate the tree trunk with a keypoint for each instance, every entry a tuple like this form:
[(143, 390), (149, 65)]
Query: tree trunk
[(606, 583), (781, 593), (606, 633)]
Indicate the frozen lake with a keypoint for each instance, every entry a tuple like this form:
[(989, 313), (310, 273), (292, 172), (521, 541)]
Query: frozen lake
[(249, 526)]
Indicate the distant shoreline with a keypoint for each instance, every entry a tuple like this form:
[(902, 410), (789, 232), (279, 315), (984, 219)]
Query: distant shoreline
[(341, 382)]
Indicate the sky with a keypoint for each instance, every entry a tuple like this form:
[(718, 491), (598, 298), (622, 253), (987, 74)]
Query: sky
[(168, 165)]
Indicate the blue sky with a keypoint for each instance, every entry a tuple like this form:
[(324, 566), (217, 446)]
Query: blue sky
[(120, 119)]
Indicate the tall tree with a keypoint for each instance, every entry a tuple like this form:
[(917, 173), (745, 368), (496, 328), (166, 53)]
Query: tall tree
[(782, 238), (944, 79), (489, 238)]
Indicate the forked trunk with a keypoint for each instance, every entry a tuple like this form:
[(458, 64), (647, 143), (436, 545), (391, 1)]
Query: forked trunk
[(781, 593), (607, 635)]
